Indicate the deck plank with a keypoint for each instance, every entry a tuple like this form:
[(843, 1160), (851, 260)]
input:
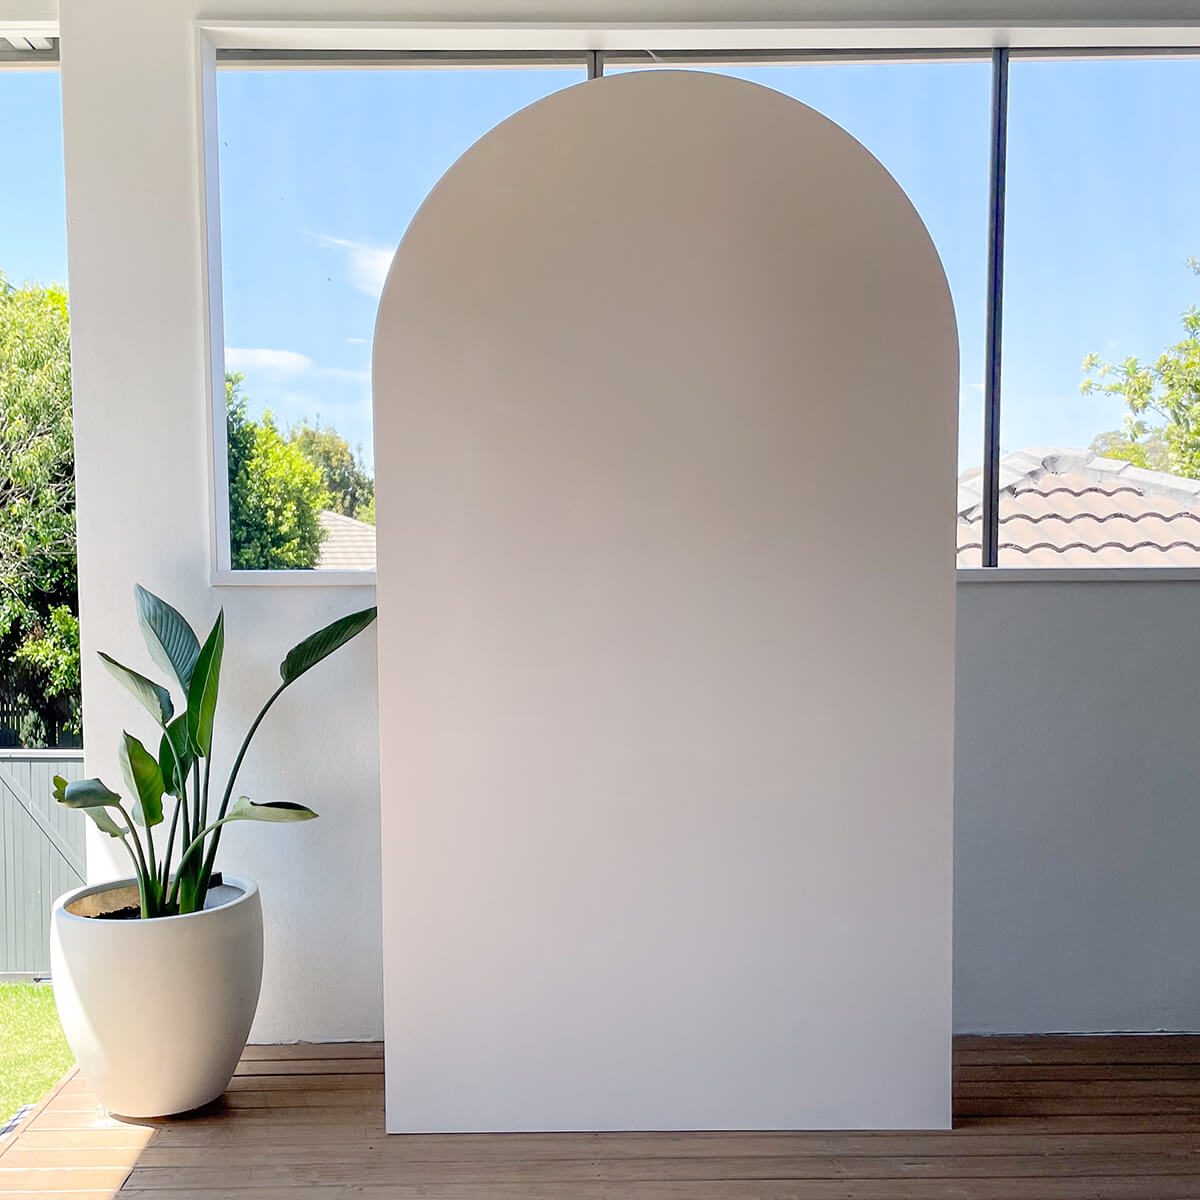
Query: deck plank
[(1057, 1118)]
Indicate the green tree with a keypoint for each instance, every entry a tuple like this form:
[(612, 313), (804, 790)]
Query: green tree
[(350, 485), (39, 625), (1150, 453), (275, 493), (1162, 424)]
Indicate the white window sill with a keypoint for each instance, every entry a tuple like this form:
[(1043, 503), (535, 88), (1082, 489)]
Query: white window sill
[(988, 575), (964, 575), (290, 579)]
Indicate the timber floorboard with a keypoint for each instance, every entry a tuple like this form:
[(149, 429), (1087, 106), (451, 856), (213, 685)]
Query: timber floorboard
[(1035, 1118)]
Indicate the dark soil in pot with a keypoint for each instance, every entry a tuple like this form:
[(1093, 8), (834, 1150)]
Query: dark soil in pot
[(131, 912)]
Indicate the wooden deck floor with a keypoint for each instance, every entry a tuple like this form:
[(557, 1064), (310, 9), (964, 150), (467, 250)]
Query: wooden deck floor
[(1036, 1119)]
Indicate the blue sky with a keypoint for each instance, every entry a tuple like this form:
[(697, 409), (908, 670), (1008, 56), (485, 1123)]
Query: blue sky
[(322, 170)]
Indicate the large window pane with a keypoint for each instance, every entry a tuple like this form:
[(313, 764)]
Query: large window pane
[(39, 608), (928, 124), (321, 171), (1102, 219)]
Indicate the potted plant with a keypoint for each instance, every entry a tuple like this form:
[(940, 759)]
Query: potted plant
[(176, 932)]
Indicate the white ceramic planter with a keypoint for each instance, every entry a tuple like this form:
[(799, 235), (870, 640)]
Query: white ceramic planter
[(157, 1012)]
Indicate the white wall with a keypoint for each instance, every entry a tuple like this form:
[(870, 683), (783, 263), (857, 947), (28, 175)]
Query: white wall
[(141, 410), (1077, 807), (34, 17), (132, 135)]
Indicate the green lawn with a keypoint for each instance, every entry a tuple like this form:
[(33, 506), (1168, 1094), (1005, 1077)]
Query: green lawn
[(33, 1051)]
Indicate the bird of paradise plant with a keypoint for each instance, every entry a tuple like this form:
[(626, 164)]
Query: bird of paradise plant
[(181, 768)]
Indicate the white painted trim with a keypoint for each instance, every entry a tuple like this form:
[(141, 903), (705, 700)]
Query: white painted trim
[(973, 575), (964, 575), (209, 224), (66, 753), (688, 35), (28, 27), (293, 578)]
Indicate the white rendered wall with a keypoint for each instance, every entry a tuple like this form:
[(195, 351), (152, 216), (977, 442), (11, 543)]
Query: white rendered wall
[(132, 130), (667, 805), (1077, 807), (131, 127)]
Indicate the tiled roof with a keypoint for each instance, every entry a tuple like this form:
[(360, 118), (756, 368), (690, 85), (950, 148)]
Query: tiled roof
[(1072, 508), (349, 545)]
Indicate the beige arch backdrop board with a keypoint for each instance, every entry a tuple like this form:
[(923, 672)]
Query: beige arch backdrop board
[(665, 406)]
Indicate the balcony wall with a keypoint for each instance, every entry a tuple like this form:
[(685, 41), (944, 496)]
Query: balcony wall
[(1077, 807)]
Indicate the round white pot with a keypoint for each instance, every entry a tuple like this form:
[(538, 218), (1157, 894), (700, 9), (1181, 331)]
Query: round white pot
[(157, 1012)]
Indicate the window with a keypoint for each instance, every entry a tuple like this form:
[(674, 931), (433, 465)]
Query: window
[(320, 173), (1100, 458), (1091, 458), (39, 607)]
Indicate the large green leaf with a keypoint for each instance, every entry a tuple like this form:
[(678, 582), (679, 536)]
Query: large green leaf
[(245, 809), (105, 823), (171, 640), (153, 696), (145, 780), (175, 765), (93, 797), (202, 692), (323, 643), (84, 793)]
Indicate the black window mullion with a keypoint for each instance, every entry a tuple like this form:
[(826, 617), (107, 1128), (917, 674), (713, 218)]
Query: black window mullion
[(995, 299)]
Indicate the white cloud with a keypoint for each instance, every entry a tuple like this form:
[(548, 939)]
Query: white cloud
[(281, 364), (368, 264), (356, 341), (360, 374)]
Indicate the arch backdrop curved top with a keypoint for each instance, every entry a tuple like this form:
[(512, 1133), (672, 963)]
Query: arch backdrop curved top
[(665, 401)]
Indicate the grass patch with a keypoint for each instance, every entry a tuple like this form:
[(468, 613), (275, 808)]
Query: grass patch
[(33, 1052)]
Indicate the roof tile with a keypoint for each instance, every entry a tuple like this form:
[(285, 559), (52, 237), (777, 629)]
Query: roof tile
[(1064, 507), (349, 545)]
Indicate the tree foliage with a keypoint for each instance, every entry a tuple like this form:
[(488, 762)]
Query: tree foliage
[(39, 627), (1150, 452), (276, 494), (278, 485), (350, 485), (1162, 398)]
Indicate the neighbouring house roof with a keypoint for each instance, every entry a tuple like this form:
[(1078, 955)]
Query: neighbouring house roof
[(1058, 508), (349, 545), (1073, 508)]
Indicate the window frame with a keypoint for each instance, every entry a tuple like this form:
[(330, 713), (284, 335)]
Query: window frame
[(279, 45)]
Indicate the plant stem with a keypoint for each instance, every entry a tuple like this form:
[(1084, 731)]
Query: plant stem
[(196, 822), (204, 806), (176, 889), (142, 871), (181, 806), (129, 850), (152, 858), (210, 858), (187, 821), (198, 840), (202, 881), (180, 873), (166, 863)]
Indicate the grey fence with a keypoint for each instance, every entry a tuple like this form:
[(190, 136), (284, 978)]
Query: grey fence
[(41, 853)]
